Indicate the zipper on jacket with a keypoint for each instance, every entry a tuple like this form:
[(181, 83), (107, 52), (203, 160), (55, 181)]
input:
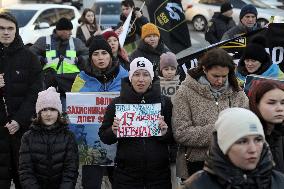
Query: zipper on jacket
[(216, 101), (143, 100), (105, 79), (245, 178)]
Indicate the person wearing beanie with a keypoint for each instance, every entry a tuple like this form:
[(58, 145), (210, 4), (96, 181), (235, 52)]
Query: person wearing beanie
[(220, 23), (49, 155), (238, 157), (168, 66), (62, 57), (150, 46), (88, 26), (119, 53), (266, 101), (20, 81), (137, 21), (63, 24), (255, 60), (248, 18), (207, 89), (102, 73), (134, 168), (169, 82)]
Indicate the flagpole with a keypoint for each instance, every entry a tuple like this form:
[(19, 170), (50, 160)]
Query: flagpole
[(142, 6)]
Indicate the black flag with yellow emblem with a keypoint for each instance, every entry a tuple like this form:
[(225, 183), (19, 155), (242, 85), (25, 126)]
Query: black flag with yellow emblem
[(169, 17)]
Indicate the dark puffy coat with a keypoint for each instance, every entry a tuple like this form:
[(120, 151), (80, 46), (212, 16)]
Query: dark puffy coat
[(22, 75), (147, 51), (217, 26), (140, 162), (48, 158), (275, 141), (220, 173)]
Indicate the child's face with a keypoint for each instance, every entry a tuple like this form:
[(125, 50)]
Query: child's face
[(49, 116), (169, 72)]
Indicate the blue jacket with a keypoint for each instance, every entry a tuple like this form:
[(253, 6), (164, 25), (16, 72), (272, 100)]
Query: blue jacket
[(87, 83), (272, 71)]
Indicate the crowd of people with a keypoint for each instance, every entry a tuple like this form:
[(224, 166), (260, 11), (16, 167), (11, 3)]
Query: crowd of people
[(213, 134)]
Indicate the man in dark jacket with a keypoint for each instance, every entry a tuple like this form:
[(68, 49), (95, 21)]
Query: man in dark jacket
[(136, 23), (248, 17), (220, 23), (20, 82), (62, 57)]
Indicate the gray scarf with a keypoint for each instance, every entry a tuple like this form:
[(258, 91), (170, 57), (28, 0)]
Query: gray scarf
[(215, 92)]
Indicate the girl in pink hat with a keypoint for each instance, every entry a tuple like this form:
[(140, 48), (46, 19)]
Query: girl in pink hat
[(48, 154)]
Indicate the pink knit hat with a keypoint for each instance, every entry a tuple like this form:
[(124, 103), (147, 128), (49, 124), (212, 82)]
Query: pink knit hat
[(168, 59), (48, 98)]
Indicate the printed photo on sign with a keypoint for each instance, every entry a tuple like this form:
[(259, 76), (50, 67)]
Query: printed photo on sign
[(138, 120), (252, 80), (86, 112)]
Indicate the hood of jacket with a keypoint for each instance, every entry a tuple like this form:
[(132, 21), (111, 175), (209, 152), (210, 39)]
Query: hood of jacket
[(203, 90), (230, 176), (127, 93)]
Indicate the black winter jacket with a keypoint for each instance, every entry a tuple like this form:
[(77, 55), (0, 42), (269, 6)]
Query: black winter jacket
[(217, 26), (276, 144), (48, 158), (146, 159), (22, 76), (147, 51), (220, 173)]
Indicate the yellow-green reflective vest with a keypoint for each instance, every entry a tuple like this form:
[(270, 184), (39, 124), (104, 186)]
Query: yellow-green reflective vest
[(68, 64)]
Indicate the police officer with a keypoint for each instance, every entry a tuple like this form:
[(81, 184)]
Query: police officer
[(62, 57)]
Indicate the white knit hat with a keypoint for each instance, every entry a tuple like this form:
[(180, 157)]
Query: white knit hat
[(235, 123), (48, 98), (141, 63)]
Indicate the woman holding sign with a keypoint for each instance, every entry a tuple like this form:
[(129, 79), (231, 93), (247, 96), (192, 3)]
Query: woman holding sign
[(208, 89), (266, 100), (142, 157), (102, 74)]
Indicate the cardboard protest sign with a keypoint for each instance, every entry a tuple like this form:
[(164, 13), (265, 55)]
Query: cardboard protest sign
[(138, 120), (86, 111), (169, 88), (252, 80)]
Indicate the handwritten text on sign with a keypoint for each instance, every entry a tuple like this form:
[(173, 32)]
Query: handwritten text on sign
[(138, 120)]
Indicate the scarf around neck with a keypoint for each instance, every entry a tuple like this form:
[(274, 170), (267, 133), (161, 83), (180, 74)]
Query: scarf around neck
[(215, 92)]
